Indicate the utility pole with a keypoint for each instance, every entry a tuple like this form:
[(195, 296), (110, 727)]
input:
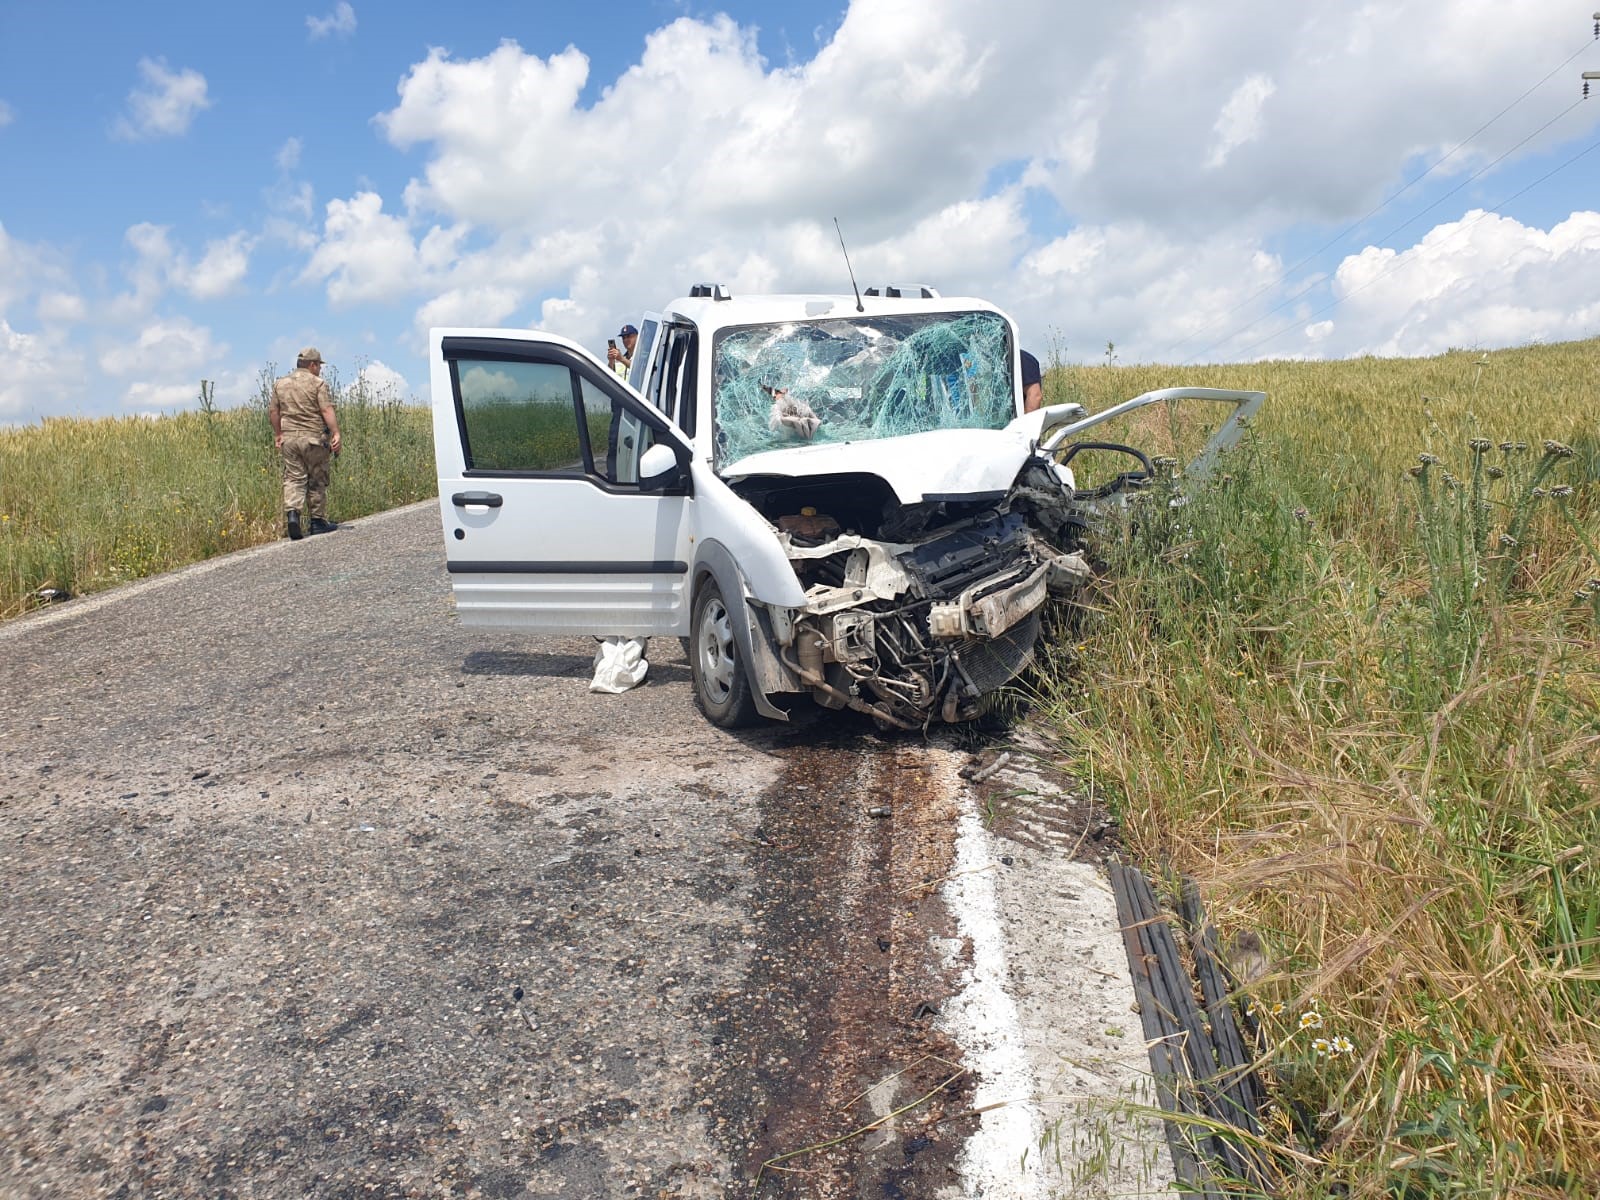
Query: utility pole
[(1588, 75)]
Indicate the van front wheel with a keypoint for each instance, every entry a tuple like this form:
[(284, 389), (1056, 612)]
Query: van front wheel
[(720, 685)]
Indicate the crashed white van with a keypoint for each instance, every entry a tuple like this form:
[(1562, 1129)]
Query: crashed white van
[(829, 496)]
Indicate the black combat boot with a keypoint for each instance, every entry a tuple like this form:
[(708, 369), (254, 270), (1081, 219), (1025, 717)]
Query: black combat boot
[(292, 520), (321, 525)]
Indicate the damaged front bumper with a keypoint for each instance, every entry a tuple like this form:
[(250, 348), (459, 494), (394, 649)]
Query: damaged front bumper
[(910, 634)]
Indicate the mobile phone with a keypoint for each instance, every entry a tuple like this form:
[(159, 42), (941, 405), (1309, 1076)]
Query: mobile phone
[(611, 342)]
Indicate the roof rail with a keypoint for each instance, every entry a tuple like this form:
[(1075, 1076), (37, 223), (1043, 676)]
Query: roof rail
[(893, 292), (710, 291)]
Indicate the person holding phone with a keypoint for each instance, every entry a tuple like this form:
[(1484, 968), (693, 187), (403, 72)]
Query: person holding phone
[(621, 361)]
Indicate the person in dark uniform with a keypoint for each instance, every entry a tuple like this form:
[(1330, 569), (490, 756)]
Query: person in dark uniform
[(1032, 383)]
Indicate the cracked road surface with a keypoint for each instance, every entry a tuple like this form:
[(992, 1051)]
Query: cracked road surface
[(311, 892)]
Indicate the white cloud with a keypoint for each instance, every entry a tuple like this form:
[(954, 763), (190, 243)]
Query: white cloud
[(1240, 120), (166, 347), (703, 161), (468, 306), (158, 265), (340, 22), (148, 398), (1483, 280), (28, 271), (381, 383), (26, 363), (6, 114), (165, 106), (61, 307), (288, 157), (367, 254), (223, 266), (42, 372)]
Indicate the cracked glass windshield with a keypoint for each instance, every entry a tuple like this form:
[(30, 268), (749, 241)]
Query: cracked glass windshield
[(858, 379)]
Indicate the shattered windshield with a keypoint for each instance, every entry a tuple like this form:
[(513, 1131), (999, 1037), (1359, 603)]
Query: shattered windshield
[(859, 379)]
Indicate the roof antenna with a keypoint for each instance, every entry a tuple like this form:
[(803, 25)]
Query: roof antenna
[(859, 306)]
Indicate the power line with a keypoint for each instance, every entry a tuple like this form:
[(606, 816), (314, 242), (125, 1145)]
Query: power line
[(1401, 263), (1359, 221), (1284, 303)]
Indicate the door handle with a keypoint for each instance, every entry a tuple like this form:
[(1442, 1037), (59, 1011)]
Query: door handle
[(487, 499)]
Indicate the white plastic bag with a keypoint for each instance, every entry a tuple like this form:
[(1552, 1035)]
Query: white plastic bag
[(619, 664)]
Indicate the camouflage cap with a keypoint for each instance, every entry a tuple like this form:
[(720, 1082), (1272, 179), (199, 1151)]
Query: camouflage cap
[(309, 354)]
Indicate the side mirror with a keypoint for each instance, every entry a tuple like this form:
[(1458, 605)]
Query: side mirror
[(658, 468)]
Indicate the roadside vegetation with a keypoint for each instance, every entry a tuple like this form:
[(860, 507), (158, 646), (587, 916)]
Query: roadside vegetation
[(86, 504), (1354, 690)]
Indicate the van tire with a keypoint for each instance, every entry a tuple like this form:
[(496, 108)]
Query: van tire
[(721, 687)]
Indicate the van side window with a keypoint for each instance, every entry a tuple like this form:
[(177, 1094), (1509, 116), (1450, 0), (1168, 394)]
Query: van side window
[(518, 416), (528, 417)]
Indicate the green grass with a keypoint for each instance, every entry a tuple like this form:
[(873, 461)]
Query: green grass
[(1354, 689), (87, 504)]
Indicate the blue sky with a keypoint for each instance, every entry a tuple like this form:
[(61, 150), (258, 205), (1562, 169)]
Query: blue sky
[(193, 191)]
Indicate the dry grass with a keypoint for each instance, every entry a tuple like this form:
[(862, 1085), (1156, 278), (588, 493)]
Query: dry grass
[(1356, 693)]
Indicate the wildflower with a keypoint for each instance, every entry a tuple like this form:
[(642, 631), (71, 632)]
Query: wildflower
[(1479, 445), (1311, 1019), (1519, 446), (1427, 460), (1537, 493), (1163, 462), (1451, 482), (1415, 472), (1495, 472), (1252, 1009), (1322, 1046), (1343, 1045), (1561, 491), (1507, 542), (1557, 449), (1301, 515), (1278, 1009), (1505, 447)]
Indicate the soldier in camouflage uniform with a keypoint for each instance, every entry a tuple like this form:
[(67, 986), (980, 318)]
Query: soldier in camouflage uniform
[(306, 430)]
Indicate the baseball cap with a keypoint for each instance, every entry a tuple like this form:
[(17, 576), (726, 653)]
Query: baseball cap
[(627, 331), (309, 354)]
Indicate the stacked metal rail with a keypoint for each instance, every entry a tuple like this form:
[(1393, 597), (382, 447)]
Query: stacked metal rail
[(1204, 1072)]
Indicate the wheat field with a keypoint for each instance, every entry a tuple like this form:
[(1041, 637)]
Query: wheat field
[(1354, 690), (86, 504)]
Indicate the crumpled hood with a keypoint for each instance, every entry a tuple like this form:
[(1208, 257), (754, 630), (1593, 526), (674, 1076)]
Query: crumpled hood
[(939, 464)]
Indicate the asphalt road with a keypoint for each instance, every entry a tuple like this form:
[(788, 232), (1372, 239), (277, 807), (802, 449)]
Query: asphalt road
[(310, 891)]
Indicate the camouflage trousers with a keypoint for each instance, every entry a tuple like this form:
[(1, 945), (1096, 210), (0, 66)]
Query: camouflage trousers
[(306, 463)]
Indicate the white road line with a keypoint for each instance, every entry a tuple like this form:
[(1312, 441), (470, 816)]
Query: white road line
[(983, 1020)]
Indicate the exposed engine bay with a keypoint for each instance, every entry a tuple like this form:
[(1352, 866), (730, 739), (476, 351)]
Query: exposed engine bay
[(914, 613)]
